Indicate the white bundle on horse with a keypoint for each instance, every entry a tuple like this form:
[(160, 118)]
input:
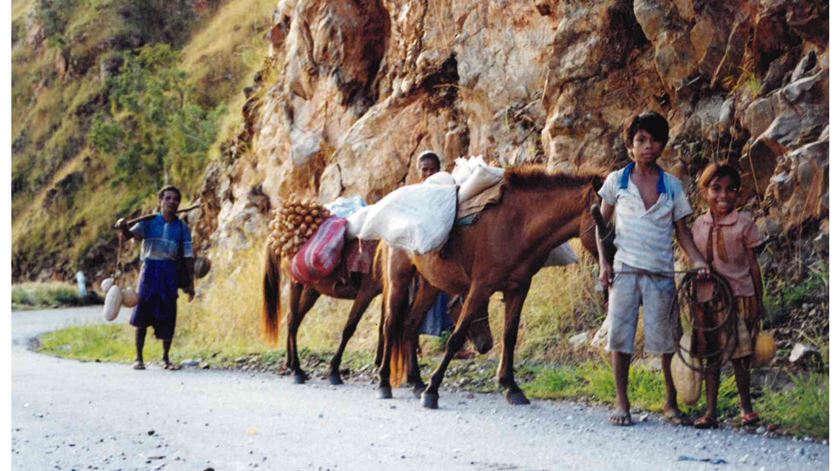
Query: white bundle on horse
[(473, 176), (561, 255), (345, 206), (414, 217)]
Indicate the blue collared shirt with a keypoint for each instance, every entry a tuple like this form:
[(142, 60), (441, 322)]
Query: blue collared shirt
[(161, 239)]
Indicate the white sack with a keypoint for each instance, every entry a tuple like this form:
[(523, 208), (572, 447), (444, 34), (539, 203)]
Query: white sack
[(344, 206), (414, 217), (440, 178), (482, 177), (355, 222), (561, 255), (464, 168)]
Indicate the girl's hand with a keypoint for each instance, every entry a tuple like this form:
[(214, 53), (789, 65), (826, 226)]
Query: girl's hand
[(702, 268), (606, 276)]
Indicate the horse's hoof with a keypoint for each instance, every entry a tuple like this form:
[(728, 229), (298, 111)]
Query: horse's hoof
[(335, 379), (429, 400), (418, 390), (517, 398), (384, 393), (299, 378)]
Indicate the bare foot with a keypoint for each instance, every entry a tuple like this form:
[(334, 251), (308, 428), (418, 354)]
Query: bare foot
[(621, 418), (138, 365)]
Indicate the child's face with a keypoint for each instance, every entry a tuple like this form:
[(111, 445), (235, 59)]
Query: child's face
[(721, 195), (645, 148)]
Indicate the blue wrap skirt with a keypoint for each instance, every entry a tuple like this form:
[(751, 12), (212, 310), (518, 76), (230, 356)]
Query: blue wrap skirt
[(158, 293)]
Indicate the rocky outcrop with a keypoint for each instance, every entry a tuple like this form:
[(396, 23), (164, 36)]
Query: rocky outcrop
[(356, 89)]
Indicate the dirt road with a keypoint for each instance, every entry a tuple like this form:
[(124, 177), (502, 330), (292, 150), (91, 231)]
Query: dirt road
[(73, 415)]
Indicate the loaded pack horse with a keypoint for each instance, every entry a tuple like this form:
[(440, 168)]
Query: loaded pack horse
[(502, 251), (362, 288)]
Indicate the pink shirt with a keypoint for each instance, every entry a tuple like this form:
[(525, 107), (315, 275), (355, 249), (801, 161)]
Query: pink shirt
[(733, 235)]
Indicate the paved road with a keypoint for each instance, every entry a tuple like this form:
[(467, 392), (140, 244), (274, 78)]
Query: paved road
[(73, 415)]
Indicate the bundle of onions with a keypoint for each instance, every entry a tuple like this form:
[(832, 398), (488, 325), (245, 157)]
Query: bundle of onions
[(293, 224)]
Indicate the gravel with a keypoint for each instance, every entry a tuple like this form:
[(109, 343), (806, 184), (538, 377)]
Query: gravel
[(118, 418)]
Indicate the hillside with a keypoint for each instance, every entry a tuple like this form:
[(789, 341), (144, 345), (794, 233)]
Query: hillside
[(113, 97), (73, 87)]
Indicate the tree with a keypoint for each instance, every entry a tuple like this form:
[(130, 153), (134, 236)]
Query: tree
[(155, 132)]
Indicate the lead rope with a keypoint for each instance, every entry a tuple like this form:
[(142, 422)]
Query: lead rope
[(713, 339)]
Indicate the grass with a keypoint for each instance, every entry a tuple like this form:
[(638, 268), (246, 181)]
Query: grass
[(44, 295), (802, 408), (222, 328)]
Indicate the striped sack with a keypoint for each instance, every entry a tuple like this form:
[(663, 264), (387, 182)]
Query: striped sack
[(321, 254)]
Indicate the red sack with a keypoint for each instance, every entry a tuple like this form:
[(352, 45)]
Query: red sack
[(321, 254)]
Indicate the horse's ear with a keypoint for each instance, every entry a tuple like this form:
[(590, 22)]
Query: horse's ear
[(597, 182)]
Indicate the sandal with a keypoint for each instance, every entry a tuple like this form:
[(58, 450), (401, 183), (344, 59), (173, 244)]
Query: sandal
[(138, 365), (676, 417), (621, 418), (750, 418), (171, 366), (706, 422)]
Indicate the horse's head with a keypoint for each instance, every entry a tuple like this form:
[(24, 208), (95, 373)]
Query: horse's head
[(479, 330), (588, 239)]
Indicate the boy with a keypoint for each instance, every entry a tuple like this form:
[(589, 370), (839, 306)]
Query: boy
[(650, 206)]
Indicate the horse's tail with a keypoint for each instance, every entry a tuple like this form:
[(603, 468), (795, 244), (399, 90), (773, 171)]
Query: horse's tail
[(400, 351), (271, 315)]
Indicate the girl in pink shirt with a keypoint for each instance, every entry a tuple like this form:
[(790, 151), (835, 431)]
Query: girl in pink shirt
[(727, 238)]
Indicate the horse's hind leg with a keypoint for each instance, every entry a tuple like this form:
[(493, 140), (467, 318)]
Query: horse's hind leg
[(514, 300), (423, 301), (295, 317), (475, 304), (360, 305), (397, 278)]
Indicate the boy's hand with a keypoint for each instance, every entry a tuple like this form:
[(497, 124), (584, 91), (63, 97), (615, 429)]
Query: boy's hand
[(606, 276), (121, 224)]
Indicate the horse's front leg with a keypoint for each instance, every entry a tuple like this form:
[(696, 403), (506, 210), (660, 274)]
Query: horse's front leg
[(295, 318), (514, 299), (475, 304)]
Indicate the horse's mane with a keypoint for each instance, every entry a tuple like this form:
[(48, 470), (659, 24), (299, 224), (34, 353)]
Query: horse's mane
[(533, 176)]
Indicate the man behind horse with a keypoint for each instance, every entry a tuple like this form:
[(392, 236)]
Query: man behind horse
[(650, 207)]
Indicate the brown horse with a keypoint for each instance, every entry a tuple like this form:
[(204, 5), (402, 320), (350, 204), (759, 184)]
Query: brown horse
[(501, 252), (362, 289)]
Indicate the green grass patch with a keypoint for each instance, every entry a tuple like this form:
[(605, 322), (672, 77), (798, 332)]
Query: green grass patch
[(801, 408), (44, 295), (111, 342)]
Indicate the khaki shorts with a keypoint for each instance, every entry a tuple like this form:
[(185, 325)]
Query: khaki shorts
[(627, 293)]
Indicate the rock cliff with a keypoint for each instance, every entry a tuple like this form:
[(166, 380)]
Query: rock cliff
[(353, 90)]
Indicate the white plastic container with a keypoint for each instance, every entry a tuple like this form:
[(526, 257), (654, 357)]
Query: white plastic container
[(113, 301), (129, 297)]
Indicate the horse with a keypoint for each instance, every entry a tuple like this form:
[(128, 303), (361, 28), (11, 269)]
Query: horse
[(502, 251), (362, 288)]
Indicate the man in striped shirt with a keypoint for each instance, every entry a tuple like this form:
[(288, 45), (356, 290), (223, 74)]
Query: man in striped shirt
[(650, 206)]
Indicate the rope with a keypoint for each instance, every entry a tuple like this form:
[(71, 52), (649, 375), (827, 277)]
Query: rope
[(712, 323), (708, 321), (119, 270)]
